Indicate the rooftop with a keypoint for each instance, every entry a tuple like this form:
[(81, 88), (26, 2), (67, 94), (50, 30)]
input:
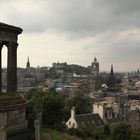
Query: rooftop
[(89, 119), (10, 28)]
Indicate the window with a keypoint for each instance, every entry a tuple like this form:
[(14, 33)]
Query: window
[(69, 123)]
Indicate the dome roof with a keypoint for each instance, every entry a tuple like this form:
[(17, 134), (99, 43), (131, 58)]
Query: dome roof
[(28, 74), (137, 84), (10, 28), (104, 86)]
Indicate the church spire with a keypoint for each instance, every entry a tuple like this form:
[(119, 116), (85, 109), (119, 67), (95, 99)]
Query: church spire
[(28, 63), (112, 71), (138, 71), (111, 78)]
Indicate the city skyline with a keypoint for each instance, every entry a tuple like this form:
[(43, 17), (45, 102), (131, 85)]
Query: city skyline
[(75, 31)]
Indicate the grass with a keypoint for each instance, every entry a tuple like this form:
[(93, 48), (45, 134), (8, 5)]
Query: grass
[(57, 135)]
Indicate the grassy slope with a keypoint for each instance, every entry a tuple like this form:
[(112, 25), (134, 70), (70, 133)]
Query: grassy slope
[(49, 134)]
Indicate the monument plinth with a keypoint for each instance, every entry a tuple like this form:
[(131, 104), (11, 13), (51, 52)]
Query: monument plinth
[(12, 105)]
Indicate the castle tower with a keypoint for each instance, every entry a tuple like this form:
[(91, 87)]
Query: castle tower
[(95, 68), (28, 63)]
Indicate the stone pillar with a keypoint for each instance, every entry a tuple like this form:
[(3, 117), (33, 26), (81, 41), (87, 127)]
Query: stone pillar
[(37, 129), (3, 133), (39, 117), (0, 66), (12, 68)]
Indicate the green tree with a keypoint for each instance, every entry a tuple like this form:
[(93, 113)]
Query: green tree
[(36, 99), (106, 130), (49, 104), (136, 135), (121, 131), (81, 103), (99, 133), (53, 114)]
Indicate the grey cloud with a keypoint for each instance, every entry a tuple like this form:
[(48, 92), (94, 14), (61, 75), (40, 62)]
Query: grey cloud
[(121, 51), (77, 17)]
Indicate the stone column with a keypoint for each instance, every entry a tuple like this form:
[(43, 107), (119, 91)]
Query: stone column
[(0, 66), (37, 129), (12, 68), (3, 133), (39, 117)]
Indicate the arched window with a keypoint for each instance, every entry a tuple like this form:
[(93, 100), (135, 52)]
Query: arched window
[(4, 68)]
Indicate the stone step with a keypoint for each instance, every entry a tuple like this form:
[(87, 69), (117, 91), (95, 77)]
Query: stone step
[(11, 102), (12, 107)]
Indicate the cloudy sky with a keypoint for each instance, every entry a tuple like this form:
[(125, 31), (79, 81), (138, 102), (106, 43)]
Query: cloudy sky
[(76, 31)]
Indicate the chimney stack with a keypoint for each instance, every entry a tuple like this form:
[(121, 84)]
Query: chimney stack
[(73, 112)]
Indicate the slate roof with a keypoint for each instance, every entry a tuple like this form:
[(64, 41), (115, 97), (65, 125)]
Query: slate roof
[(134, 97), (91, 120)]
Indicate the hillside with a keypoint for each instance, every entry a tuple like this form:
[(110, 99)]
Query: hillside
[(49, 134)]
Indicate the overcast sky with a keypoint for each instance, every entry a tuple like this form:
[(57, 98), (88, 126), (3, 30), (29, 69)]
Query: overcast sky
[(75, 31)]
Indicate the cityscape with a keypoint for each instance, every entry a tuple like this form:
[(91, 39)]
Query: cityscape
[(70, 70)]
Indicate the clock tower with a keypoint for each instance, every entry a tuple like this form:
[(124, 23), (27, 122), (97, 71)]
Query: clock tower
[(95, 68)]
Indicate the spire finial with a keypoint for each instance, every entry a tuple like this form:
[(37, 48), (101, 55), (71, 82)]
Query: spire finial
[(28, 59), (28, 63), (112, 71)]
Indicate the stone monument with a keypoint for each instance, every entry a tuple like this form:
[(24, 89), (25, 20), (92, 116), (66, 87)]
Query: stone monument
[(12, 105)]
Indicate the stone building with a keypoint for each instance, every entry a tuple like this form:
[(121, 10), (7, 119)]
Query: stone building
[(59, 67), (125, 83), (137, 85), (134, 118), (111, 111), (84, 120)]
